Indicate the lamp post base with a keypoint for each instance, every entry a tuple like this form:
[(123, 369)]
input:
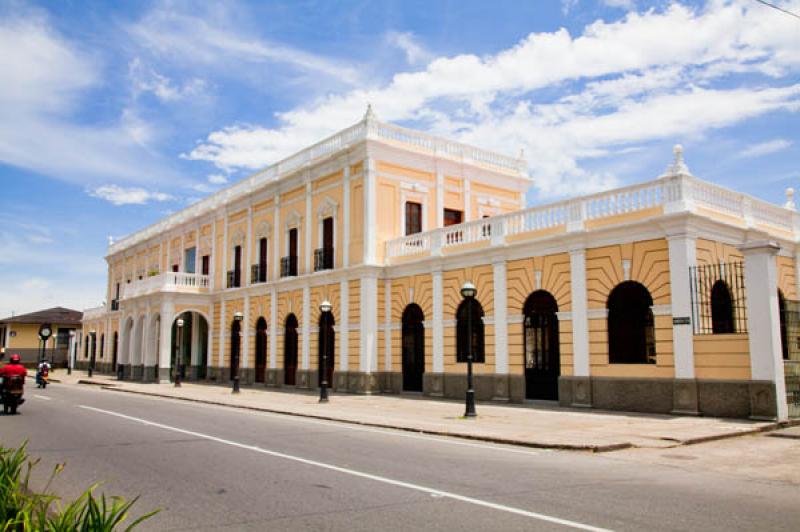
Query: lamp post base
[(323, 392), (470, 407), (235, 384)]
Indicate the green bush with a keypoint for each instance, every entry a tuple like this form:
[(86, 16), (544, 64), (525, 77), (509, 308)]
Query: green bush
[(22, 509)]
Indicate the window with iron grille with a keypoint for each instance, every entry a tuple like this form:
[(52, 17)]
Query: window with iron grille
[(718, 298)]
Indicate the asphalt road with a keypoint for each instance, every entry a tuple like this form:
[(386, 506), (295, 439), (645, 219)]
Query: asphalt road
[(212, 468)]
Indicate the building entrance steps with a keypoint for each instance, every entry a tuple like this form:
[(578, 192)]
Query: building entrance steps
[(532, 425)]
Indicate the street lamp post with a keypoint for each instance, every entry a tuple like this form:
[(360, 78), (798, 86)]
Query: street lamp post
[(468, 292), (237, 317), (71, 359), (179, 354), (324, 308), (93, 334)]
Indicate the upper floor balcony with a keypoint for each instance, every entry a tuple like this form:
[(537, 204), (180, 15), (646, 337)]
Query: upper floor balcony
[(668, 195), (323, 259), (187, 283), (289, 266)]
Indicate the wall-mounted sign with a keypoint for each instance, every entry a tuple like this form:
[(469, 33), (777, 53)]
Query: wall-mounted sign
[(681, 320), (12, 334)]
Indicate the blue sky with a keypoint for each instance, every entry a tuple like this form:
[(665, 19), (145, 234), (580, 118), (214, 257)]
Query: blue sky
[(114, 114)]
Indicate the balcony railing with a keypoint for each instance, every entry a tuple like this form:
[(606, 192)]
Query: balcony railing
[(190, 283), (289, 266), (114, 305), (258, 273), (673, 194), (93, 313), (323, 259), (234, 279)]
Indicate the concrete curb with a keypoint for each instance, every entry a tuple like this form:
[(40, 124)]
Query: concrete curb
[(450, 434)]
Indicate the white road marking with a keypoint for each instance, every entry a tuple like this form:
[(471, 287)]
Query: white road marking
[(43, 397), (449, 440), (360, 474)]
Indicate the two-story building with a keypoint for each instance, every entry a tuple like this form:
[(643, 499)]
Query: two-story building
[(674, 295)]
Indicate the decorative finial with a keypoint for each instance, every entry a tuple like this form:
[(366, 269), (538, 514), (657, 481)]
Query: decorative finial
[(678, 166), (110, 240), (370, 114), (789, 199)]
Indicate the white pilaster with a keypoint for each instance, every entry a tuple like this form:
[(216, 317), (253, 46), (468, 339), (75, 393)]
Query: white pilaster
[(467, 200), (212, 267), (307, 230), (500, 317), (210, 344), (195, 338), (387, 321), (763, 319), (223, 327), (439, 201), (273, 329), (306, 328), (368, 360), (245, 360), (682, 256), (276, 239), (247, 256), (580, 321), (346, 219), (438, 322), (344, 324), (165, 339), (224, 276), (198, 260), (370, 216)]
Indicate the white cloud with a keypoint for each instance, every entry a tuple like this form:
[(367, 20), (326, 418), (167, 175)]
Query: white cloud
[(50, 79), (217, 179), (128, 196), (216, 36), (621, 4), (407, 42), (147, 80), (648, 76), (766, 148)]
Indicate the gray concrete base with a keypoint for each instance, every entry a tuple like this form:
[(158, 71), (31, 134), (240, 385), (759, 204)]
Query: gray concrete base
[(684, 397), (763, 400), (274, 377), (150, 373), (340, 381), (164, 374), (433, 384), (575, 391), (137, 372), (126, 371), (391, 382), (363, 383), (308, 379), (247, 376)]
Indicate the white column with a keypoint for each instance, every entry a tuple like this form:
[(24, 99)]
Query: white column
[(224, 282), (197, 259), (763, 319), (682, 256), (346, 218), (467, 201), (182, 253), (344, 324), (276, 239), (165, 340), (212, 267), (500, 318), (245, 356), (439, 201), (438, 323), (273, 329), (580, 321), (209, 346), (247, 256), (169, 253), (368, 359), (387, 322), (370, 216), (306, 328), (307, 229), (195, 339), (223, 324)]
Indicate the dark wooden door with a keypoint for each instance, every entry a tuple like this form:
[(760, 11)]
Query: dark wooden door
[(237, 266), (290, 351), (261, 349), (206, 267), (542, 354), (262, 260), (413, 348)]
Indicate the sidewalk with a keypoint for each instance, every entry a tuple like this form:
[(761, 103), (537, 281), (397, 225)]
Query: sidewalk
[(530, 425)]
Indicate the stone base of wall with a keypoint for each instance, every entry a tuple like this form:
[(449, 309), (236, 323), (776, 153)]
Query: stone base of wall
[(391, 382), (307, 379), (716, 398), (164, 374), (151, 374), (137, 372), (274, 377), (247, 376)]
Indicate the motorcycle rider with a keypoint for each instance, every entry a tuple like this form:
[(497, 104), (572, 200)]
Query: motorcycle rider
[(13, 368), (42, 371)]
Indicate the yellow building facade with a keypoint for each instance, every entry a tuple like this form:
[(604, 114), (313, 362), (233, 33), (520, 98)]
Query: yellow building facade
[(673, 295)]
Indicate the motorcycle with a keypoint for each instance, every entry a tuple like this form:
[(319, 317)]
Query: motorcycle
[(42, 378), (11, 393)]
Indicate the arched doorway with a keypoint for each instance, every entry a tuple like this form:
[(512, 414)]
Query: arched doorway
[(413, 348), (542, 355), (290, 351), (327, 340), (236, 341), (261, 349)]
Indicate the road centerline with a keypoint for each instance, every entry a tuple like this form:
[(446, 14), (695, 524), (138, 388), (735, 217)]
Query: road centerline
[(355, 473)]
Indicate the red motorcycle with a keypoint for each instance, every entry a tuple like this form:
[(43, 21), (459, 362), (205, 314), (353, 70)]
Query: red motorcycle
[(11, 393)]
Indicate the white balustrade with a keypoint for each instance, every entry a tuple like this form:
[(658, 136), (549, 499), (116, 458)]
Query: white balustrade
[(93, 313), (167, 282), (674, 193)]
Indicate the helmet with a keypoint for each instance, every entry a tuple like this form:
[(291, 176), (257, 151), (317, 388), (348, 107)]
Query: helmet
[(14, 359)]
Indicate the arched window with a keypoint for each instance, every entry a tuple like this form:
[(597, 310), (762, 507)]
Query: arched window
[(631, 332), (413, 348), (290, 350), (261, 349), (721, 309), (469, 314)]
